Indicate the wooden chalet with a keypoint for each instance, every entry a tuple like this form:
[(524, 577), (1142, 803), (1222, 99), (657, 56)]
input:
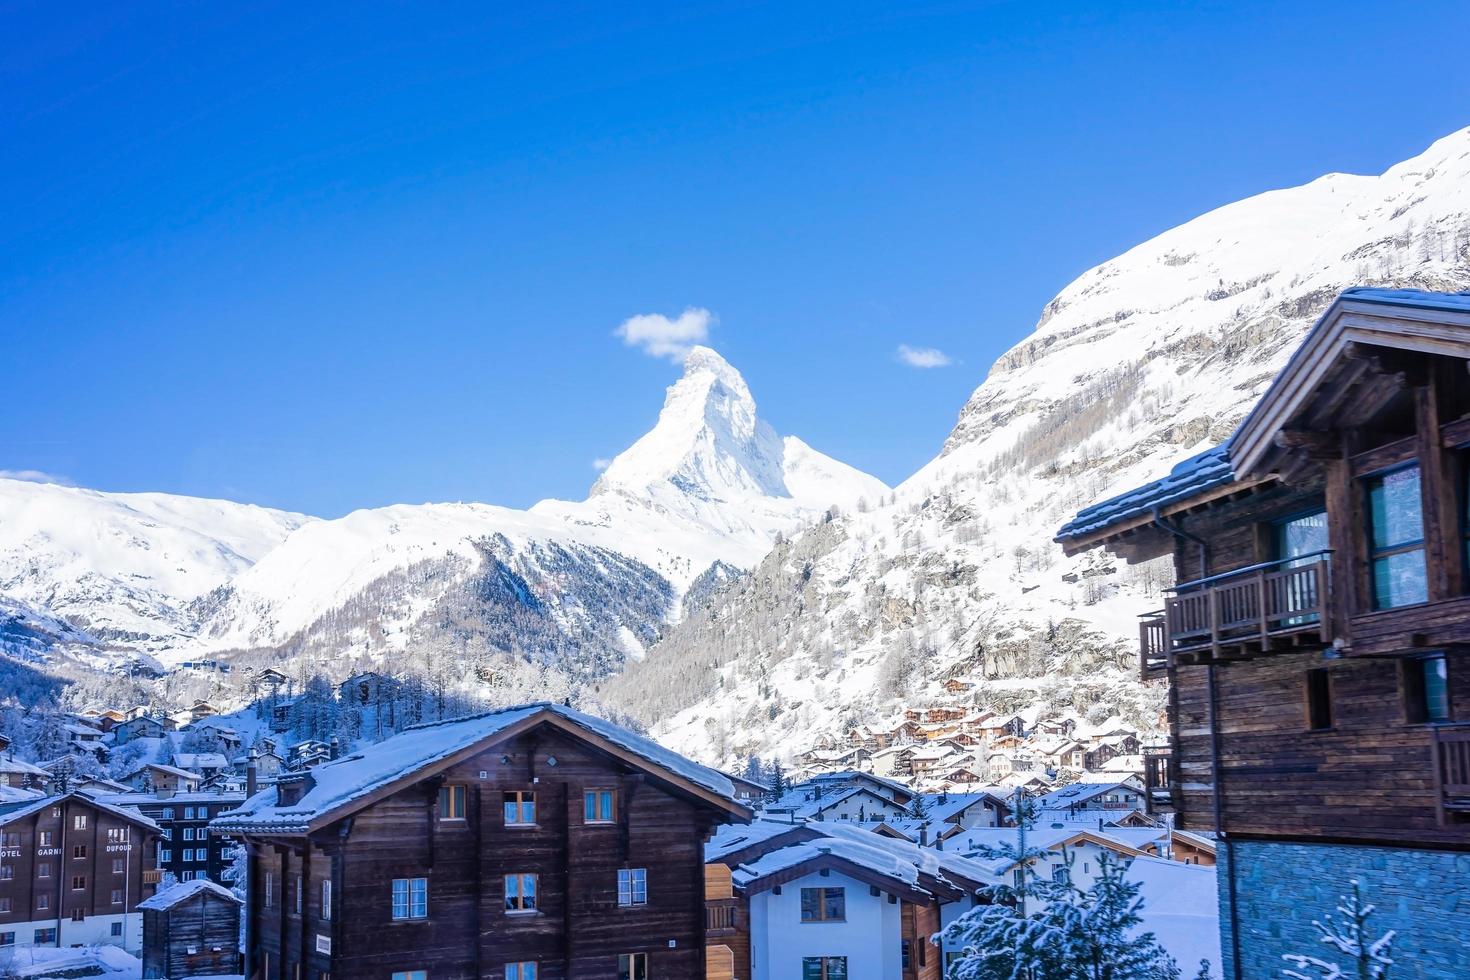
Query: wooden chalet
[(191, 929), (1317, 644), (474, 847)]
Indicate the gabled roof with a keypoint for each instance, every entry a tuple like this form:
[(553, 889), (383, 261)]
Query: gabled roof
[(185, 890), (342, 786), (163, 767), (1079, 793), (10, 812)]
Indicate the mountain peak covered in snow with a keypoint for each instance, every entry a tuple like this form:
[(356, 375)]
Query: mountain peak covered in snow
[(708, 441)]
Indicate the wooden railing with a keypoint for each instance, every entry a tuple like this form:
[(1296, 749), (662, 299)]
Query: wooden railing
[(1452, 768), (1243, 609), (719, 917)]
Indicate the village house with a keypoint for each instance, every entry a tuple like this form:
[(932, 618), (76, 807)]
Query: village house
[(1089, 803), (1319, 635), (161, 779), (835, 902), (141, 726), (191, 929), (186, 848), (534, 839), (72, 872)]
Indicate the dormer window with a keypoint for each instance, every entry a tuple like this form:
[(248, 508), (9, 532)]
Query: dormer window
[(1396, 538)]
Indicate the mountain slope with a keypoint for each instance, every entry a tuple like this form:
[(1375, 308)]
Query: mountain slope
[(711, 485), (1141, 361), (123, 567)]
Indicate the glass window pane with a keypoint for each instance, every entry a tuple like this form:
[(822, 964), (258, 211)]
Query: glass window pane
[(1399, 580), (1436, 689), (1302, 535), (1394, 507), (510, 811)]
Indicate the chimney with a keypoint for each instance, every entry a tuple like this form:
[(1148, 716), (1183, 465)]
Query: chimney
[(334, 748), (252, 773), (923, 835)]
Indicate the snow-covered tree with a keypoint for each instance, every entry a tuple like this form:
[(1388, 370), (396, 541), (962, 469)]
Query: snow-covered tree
[(1368, 959), (1037, 928)]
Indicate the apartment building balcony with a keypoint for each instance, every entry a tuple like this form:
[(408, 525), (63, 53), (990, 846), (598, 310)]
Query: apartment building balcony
[(1247, 612)]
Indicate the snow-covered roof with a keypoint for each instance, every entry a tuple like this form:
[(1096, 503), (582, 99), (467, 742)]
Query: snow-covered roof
[(1181, 907), (729, 838), (201, 760), (336, 785), (162, 767), (1201, 472), (17, 767), (1079, 793), (954, 804), (185, 890), (23, 808)]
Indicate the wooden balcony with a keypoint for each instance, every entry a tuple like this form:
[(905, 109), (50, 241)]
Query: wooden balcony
[(1452, 769), (1248, 612), (1160, 780)]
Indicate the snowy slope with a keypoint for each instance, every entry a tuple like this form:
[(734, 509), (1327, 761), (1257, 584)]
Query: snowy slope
[(123, 567), (711, 482), (1141, 361)]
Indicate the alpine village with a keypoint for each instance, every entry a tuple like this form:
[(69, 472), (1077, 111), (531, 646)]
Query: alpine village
[(1158, 670)]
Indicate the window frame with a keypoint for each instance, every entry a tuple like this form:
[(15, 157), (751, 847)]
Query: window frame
[(1375, 554), (522, 970), (630, 882), (592, 800), (822, 895), (523, 798), (453, 803), (415, 904), (823, 966), (633, 966), (519, 894), (1416, 690)]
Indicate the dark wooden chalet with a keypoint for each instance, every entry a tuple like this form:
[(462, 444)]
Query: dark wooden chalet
[(481, 846), (191, 929), (1317, 639), (72, 872)]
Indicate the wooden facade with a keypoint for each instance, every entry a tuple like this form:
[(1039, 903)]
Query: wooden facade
[(191, 931), (1318, 646), (73, 871), (323, 902)]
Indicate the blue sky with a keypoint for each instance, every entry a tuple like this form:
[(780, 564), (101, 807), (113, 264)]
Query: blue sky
[(324, 256)]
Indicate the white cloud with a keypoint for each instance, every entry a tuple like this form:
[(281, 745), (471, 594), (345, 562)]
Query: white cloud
[(601, 463), (923, 357), (658, 336), (35, 476)]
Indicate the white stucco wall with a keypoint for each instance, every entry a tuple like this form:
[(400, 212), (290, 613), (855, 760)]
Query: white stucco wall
[(869, 938), (94, 930)]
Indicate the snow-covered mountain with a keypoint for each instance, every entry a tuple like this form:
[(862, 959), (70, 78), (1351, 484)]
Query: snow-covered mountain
[(124, 567), (573, 585), (1141, 361)]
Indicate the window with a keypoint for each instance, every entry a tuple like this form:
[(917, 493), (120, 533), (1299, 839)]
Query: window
[(116, 929), (632, 886), (1319, 699), (1396, 539), (78, 915), (520, 808), (451, 803), (824, 968), (7, 939), (79, 822), (903, 953), (188, 813), (79, 852), (168, 813), (43, 839), (165, 856), (408, 975), (45, 937), (270, 888), (188, 833), (43, 869), (7, 872), (598, 806), (117, 896), (5, 904), (410, 898), (1427, 689), (326, 899), (43, 902), (632, 966), (296, 891), (78, 883), (823, 905), (520, 971), (167, 833), (1061, 874), (520, 893), (119, 865)]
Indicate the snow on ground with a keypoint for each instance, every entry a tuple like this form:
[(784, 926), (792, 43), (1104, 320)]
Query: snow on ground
[(39, 962)]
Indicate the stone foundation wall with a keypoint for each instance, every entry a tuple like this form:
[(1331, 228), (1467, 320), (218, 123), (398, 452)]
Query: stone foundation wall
[(1280, 888)]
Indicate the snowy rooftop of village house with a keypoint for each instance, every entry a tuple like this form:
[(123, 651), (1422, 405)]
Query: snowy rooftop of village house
[(342, 781), (1180, 907), (17, 809), (729, 838), (1201, 472), (1079, 793), (183, 891)]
